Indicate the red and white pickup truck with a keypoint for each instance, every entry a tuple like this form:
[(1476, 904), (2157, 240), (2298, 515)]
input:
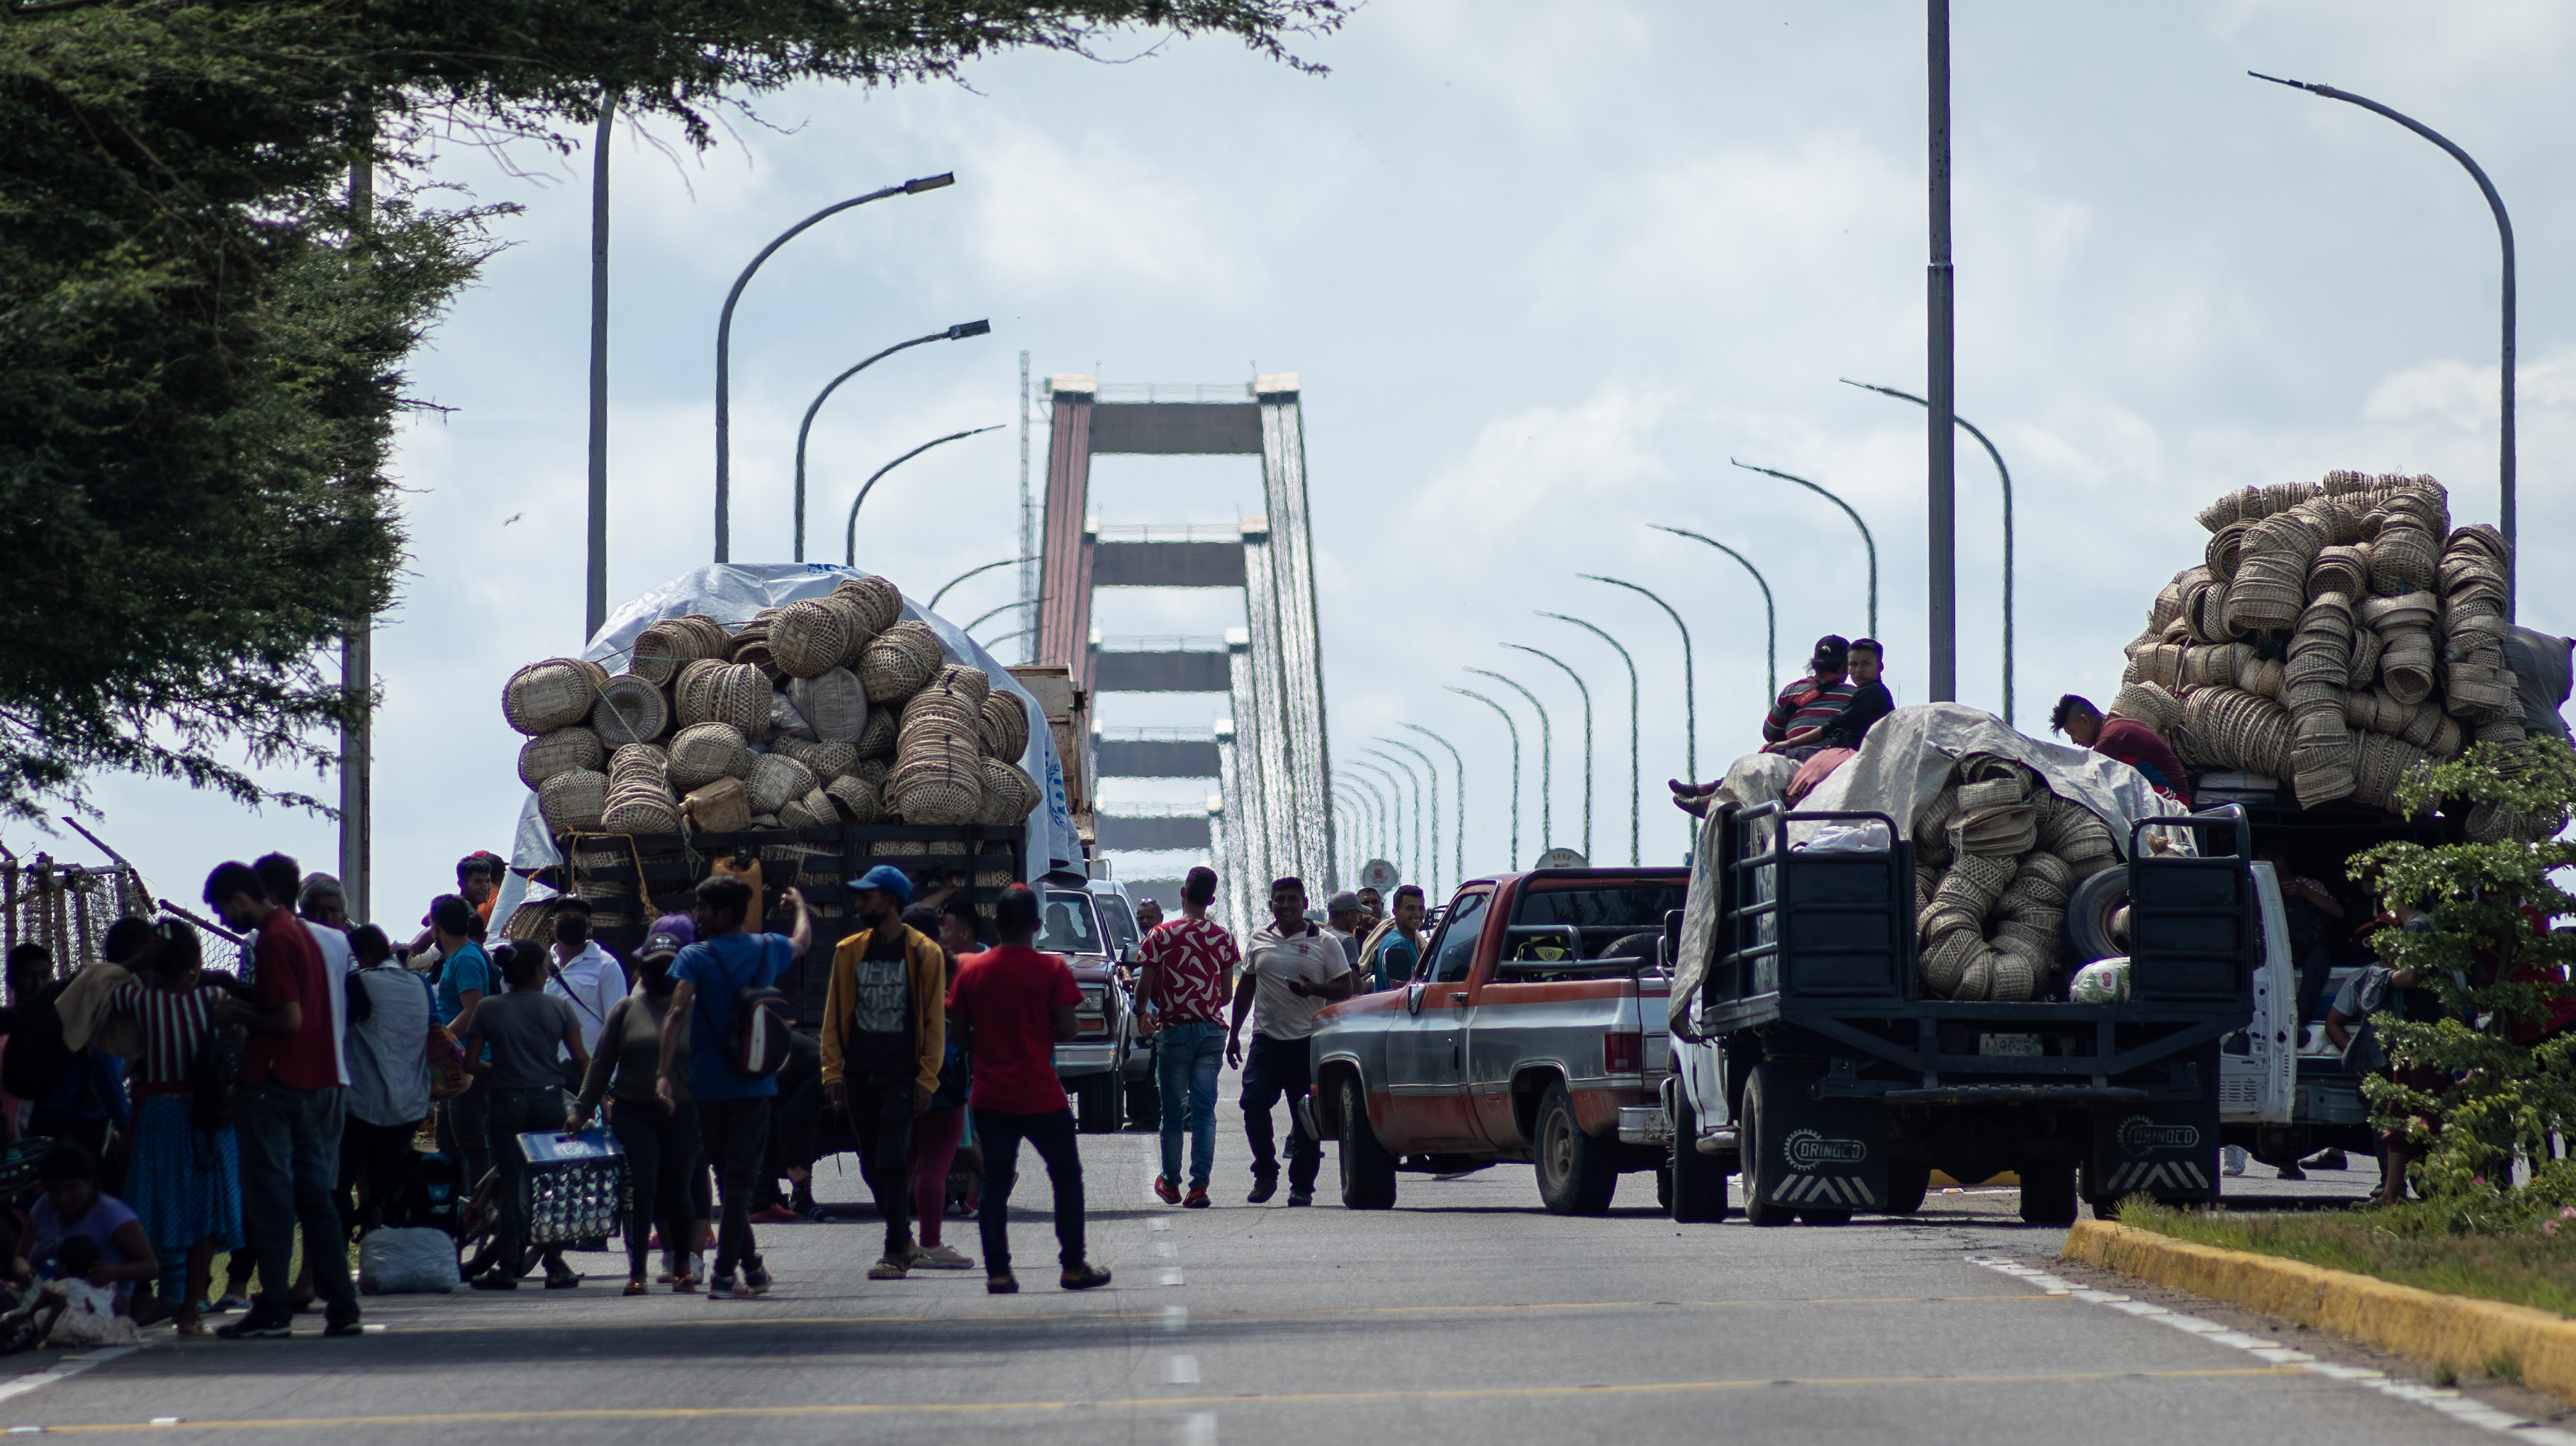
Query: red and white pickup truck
[(1534, 1029)]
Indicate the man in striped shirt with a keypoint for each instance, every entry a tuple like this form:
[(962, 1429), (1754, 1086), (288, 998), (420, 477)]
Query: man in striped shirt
[(1812, 701)]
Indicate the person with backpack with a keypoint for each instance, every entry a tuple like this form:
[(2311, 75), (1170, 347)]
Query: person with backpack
[(885, 1039), (661, 1142), (184, 1182), (511, 1048), (729, 1018)]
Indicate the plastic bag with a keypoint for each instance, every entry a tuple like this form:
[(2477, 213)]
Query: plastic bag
[(2104, 981), (418, 1260)]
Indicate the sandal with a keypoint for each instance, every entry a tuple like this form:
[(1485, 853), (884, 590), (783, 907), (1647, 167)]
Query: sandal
[(562, 1280), (637, 1286), (189, 1325)]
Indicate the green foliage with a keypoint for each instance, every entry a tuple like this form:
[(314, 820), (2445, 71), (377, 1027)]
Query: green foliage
[(201, 358), (2529, 1259)]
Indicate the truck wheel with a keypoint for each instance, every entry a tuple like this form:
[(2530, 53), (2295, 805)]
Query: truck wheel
[(1756, 1169), (1699, 1181), (1576, 1173), (2048, 1192), (1095, 1104), (1145, 1103), (1368, 1171), (1905, 1186), (2089, 912)]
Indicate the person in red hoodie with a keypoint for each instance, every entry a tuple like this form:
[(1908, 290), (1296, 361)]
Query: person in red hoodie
[(2125, 739)]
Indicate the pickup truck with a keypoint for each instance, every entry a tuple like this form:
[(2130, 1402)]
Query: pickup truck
[(1532, 1030)]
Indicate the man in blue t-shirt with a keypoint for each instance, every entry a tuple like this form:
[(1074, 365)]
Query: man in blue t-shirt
[(464, 978), (733, 1107)]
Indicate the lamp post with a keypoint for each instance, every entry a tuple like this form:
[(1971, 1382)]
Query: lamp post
[(1515, 730), (1426, 862), (1587, 738), (1940, 354), (1431, 860), (850, 543), (724, 344), (932, 606), (1381, 812), (995, 613), (805, 428), (1395, 817), (1004, 638), (2504, 236), (1546, 762), (1458, 843), (2003, 472), (1690, 703), (1867, 541), (1770, 613), (1636, 774), (595, 604)]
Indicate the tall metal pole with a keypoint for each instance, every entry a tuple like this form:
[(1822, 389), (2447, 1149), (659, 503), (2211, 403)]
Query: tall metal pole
[(1636, 773), (1515, 730), (357, 644), (1546, 758), (724, 346), (1940, 431), (1380, 813), (1428, 863), (2005, 473), (805, 428), (1868, 542), (1404, 863), (595, 609), (2505, 507), (1458, 841), (1431, 860), (1587, 738), (932, 606), (850, 542), (1770, 612), (1690, 704)]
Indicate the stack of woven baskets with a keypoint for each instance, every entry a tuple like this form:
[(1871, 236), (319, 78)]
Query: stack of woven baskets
[(824, 711), (2336, 634), (1995, 857)]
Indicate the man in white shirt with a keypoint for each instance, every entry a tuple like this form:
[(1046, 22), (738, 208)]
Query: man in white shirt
[(1293, 969), (582, 973)]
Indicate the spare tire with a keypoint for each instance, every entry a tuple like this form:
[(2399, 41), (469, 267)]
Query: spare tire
[(2097, 919)]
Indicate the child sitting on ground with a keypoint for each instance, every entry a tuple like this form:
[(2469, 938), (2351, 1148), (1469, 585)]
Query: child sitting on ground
[(67, 1310)]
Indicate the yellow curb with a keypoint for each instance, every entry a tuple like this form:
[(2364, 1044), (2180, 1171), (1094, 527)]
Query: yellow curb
[(2421, 1325)]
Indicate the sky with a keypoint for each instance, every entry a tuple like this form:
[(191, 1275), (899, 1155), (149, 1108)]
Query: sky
[(1544, 270)]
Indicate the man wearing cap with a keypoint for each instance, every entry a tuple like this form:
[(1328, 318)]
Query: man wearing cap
[(885, 1038), (1344, 919)]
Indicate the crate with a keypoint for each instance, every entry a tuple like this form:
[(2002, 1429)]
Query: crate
[(574, 1187)]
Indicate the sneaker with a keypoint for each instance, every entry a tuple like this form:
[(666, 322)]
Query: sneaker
[(2291, 1171), (1002, 1284), (1166, 1191), (232, 1300), (776, 1215), (1083, 1277), (2235, 1160), (1263, 1187), (887, 1268), (940, 1257), (494, 1280), (1301, 1197), (343, 1325), (1197, 1199), (723, 1288), (2331, 1160), (259, 1325), (755, 1276)]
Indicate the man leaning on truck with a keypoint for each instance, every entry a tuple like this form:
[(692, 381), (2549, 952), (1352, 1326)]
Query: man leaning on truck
[(1293, 969)]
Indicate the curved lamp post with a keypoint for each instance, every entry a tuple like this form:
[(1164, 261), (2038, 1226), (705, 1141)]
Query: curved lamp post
[(2504, 235), (1770, 613), (988, 617), (1431, 860), (1395, 815), (932, 606), (850, 544), (1515, 729), (1004, 638), (1380, 812), (1546, 761), (806, 427), (1866, 540), (1458, 845), (1636, 775), (1587, 738), (2003, 472), (1690, 702), (1422, 861), (724, 345)]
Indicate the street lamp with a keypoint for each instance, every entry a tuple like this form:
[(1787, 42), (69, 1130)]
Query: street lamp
[(1458, 844), (1004, 638), (850, 544), (2003, 472), (1379, 812), (1425, 862), (1546, 762), (1587, 739), (960, 330), (1431, 868), (995, 613), (1770, 614), (1636, 774), (1690, 703), (724, 345), (932, 606), (2504, 235), (1515, 729), (1395, 817), (1867, 541)]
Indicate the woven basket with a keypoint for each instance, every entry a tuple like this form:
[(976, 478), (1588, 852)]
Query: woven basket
[(2160, 664), (693, 690), (2044, 877), (2213, 666), (2226, 547), (1004, 725), (1010, 795), (2167, 607), (898, 662), (1926, 879), (556, 693), (1975, 882), (2406, 663), (878, 738), (2469, 625), (630, 710), (826, 760), (561, 751), (2266, 594), (2262, 675), (2383, 764), (858, 798), (574, 802), (1946, 958), (1990, 793), (1977, 981), (2149, 704), (2230, 507), (2366, 648), (2478, 692), (705, 752), (833, 704), (814, 810), (2411, 610), (2402, 558), (2434, 731), (639, 757), (2344, 570), (741, 695), (776, 780), (2504, 730), (2006, 832), (639, 815), (662, 648), (806, 638), (879, 602), (723, 806), (944, 791)]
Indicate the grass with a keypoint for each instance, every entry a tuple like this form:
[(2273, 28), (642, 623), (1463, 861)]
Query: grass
[(2408, 1244)]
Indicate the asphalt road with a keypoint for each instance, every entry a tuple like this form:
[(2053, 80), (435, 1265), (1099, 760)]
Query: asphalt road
[(1466, 1314)]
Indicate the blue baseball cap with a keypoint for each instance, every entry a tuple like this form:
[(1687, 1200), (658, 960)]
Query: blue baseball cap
[(887, 877)]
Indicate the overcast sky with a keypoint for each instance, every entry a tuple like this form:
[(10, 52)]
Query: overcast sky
[(1543, 269)]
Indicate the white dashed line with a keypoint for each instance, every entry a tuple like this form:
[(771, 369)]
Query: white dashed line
[(1198, 1429), (1176, 1318), (1164, 1249), (1158, 1222), (1181, 1371), (62, 1370), (1172, 1277), (2449, 1402)]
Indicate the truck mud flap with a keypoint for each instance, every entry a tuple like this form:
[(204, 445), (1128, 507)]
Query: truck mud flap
[(2165, 1150), (1828, 1154)]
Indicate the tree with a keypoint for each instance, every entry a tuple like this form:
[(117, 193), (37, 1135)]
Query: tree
[(201, 359)]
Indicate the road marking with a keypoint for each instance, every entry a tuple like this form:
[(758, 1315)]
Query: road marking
[(1253, 1398), (2449, 1402), (63, 1370), (1176, 1318), (1198, 1429), (1172, 1277), (1158, 1222), (1165, 1249), (1181, 1371)]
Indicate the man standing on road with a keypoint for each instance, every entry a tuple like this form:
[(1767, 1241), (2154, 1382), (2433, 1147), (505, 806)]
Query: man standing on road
[(1296, 968), (885, 1038), (1010, 1005), (1189, 971), (1348, 923), (733, 1107), (583, 975), (464, 980)]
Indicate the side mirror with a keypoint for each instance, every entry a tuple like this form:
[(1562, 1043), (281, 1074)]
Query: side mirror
[(1672, 944)]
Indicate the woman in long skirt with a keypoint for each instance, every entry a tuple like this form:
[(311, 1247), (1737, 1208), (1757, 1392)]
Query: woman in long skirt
[(185, 1183)]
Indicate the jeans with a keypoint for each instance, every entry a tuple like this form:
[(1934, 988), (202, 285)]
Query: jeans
[(881, 1118), (735, 1137), (290, 1153), (375, 1161), (1052, 1136), (1278, 1069), (1186, 1060), (508, 1115), (934, 1150), (661, 1154), (463, 1132)]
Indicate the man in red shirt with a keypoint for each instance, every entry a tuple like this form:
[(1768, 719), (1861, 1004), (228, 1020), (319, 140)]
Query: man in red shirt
[(2125, 739), (291, 1110), (1009, 1006), (1189, 975)]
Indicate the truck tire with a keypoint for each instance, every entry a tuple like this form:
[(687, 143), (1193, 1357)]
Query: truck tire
[(2089, 912), (1576, 1173), (1699, 1181), (1750, 1127), (1095, 1104), (1368, 1171), (2047, 1192), (1145, 1103), (1906, 1185)]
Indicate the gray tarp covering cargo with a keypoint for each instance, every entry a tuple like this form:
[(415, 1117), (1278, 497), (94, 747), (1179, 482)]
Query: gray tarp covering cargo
[(1903, 762), (731, 593)]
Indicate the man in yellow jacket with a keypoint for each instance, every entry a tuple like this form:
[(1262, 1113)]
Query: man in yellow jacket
[(885, 1036)]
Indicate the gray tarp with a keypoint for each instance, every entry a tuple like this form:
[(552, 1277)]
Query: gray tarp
[(731, 593)]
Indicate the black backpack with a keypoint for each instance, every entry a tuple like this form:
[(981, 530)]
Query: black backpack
[(37, 1058), (214, 1082)]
